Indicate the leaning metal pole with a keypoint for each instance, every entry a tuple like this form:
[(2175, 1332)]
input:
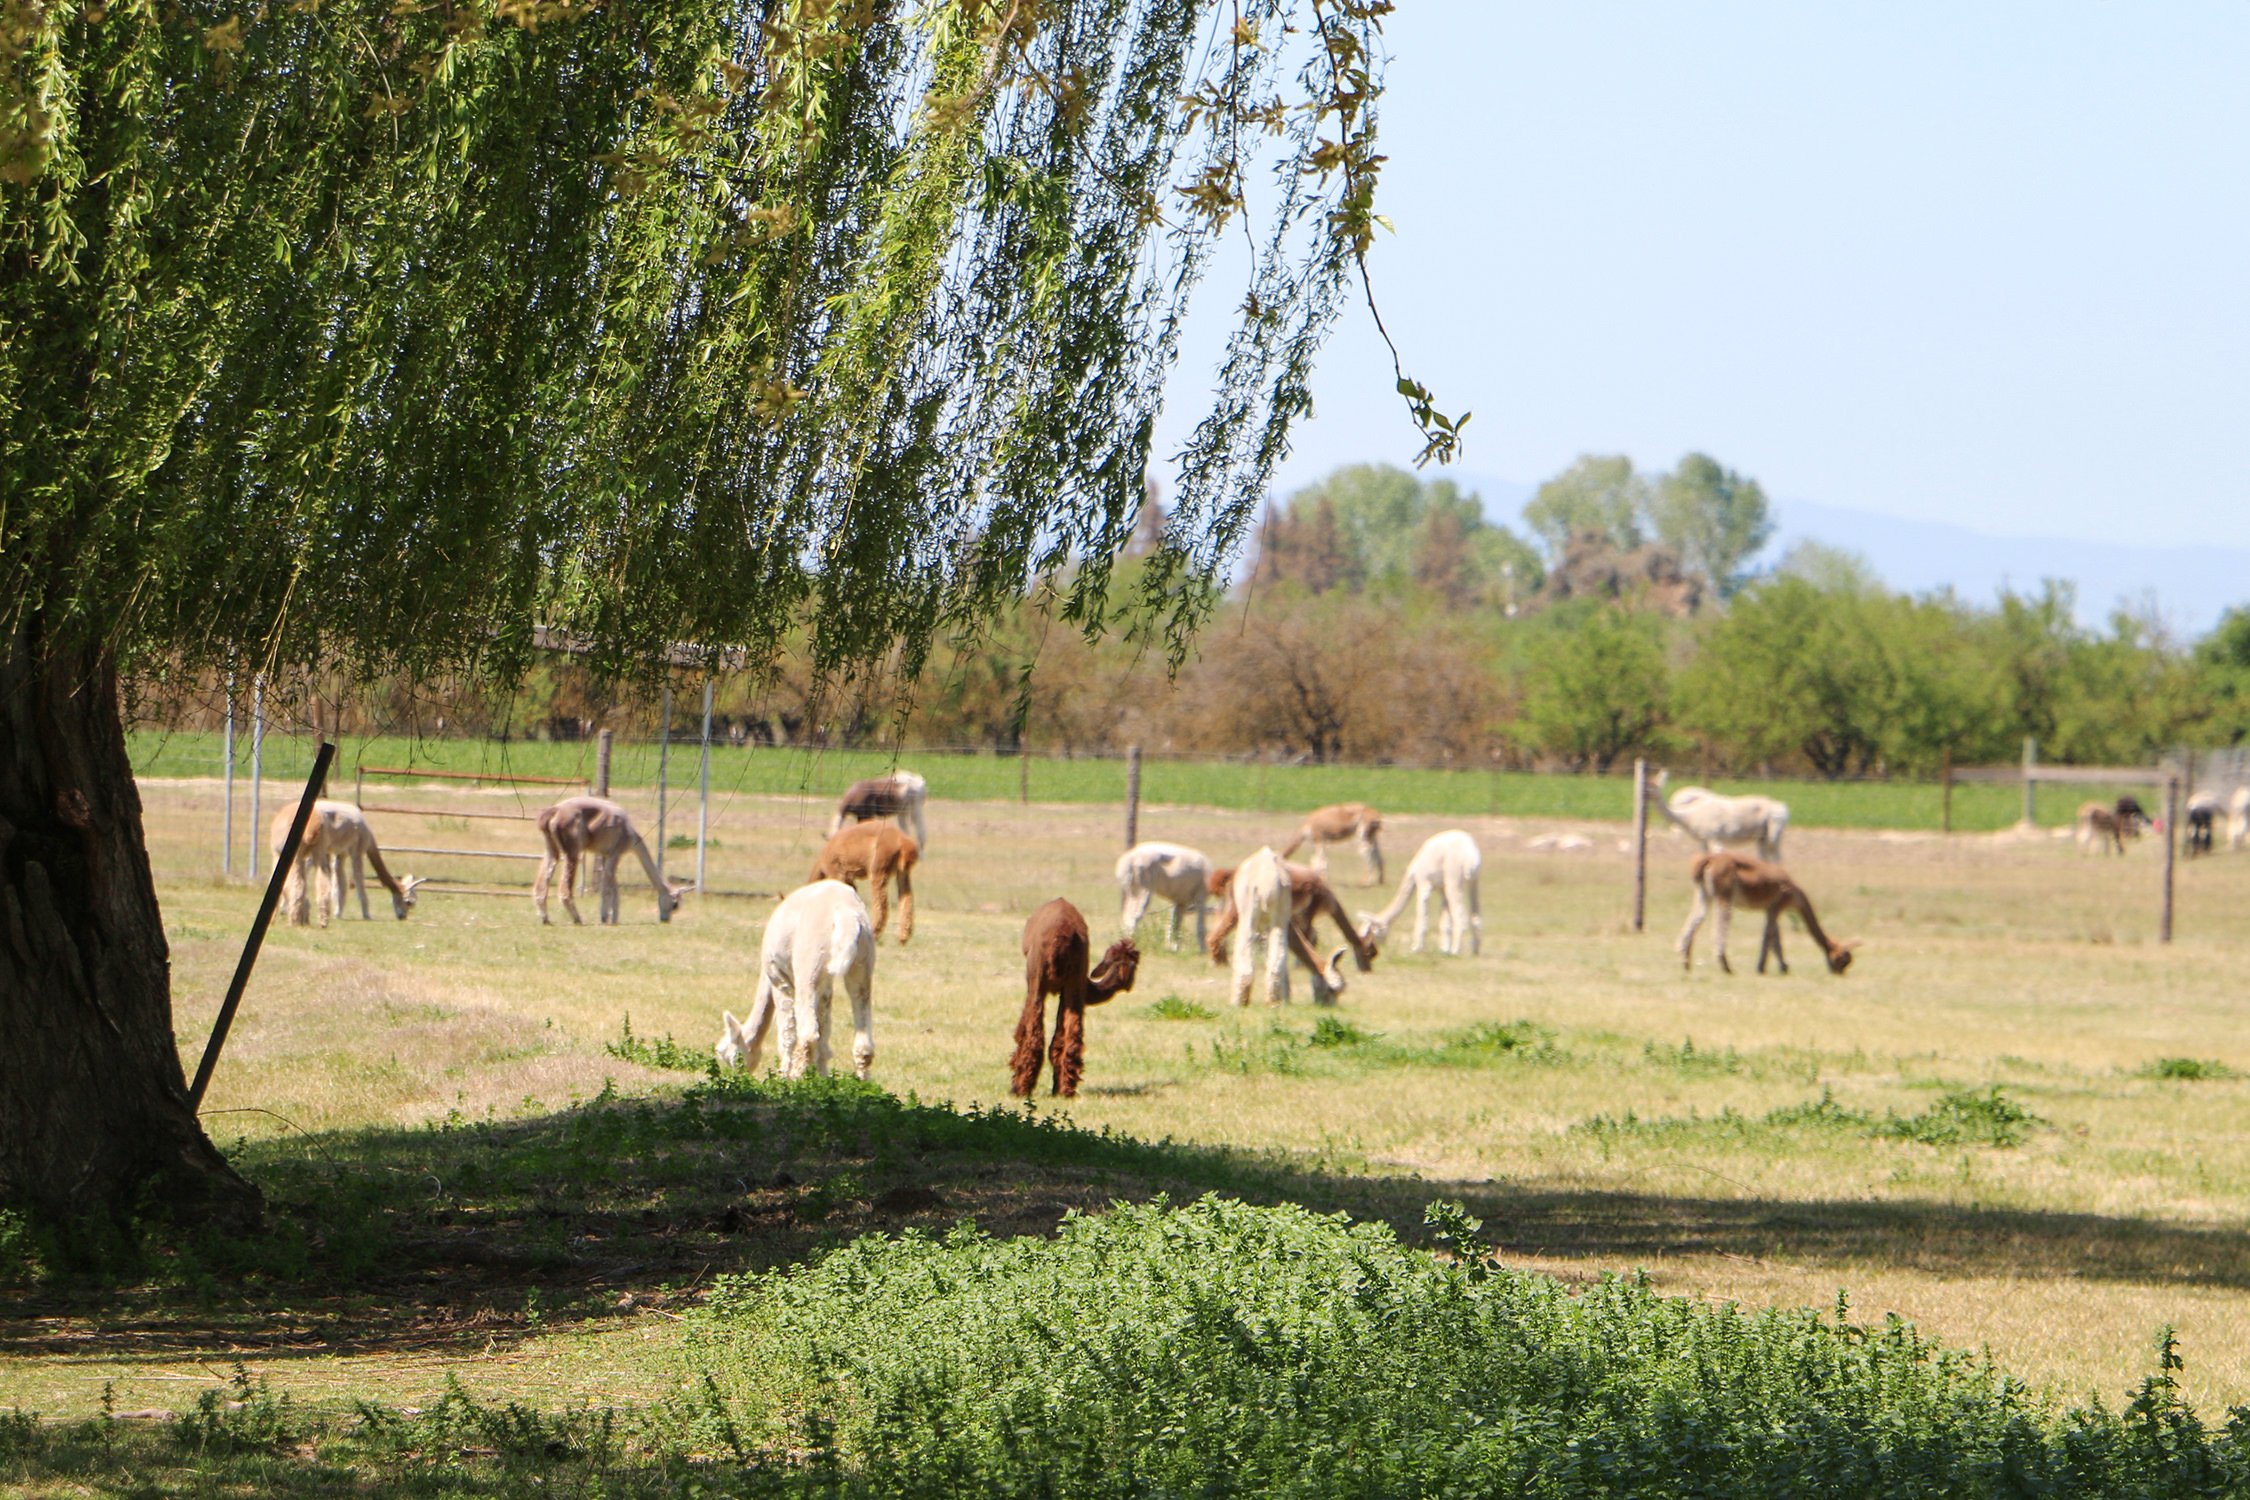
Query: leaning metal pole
[(280, 875)]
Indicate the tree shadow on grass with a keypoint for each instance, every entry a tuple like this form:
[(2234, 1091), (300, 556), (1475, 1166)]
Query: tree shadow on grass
[(459, 1236)]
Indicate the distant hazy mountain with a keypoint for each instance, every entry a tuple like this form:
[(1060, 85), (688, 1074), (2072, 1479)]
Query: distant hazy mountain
[(2191, 586)]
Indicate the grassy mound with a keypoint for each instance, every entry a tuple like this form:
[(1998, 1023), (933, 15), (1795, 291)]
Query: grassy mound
[(1223, 1349)]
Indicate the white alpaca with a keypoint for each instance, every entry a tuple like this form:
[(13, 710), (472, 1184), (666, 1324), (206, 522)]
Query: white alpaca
[(1725, 822), (819, 937), (1261, 898), (1174, 871), (900, 796), (1447, 864), (2238, 818), (578, 827), (334, 832)]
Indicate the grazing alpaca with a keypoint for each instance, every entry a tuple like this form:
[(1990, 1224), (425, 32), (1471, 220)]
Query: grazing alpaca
[(900, 795), (1332, 825), (1309, 896), (1734, 880), (819, 937), (577, 828), (1258, 907), (1720, 822), (878, 854), (1174, 871), (334, 832), (2203, 811), (2105, 828), (1055, 951), (1447, 863)]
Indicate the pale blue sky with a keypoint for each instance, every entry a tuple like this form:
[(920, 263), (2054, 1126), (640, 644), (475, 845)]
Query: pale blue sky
[(1979, 263)]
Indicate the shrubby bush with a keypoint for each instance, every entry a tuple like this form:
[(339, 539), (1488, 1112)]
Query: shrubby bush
[(1222, 1349)]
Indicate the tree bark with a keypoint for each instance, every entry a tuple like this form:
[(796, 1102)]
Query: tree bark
[(94, 1115)]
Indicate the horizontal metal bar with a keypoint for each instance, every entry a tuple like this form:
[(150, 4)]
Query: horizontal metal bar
[(464, 853), (472, 776), (448, 812), (2070, 775), (476, 890)]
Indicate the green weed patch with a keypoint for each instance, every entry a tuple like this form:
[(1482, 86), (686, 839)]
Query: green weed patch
[(1961, 1118), (2186, 1070), (1173, 1008)]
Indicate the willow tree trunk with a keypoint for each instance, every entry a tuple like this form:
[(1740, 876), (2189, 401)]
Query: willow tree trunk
[(94, 1115)]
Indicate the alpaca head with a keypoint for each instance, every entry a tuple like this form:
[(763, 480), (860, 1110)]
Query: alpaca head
[(734, 1041), (1840, 957), (669, 902), (1372, 930), (1218, 882), (1334, 977), (1118, 968), (402, 899)]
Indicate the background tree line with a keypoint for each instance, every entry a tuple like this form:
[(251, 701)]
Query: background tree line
[(1386, 618)]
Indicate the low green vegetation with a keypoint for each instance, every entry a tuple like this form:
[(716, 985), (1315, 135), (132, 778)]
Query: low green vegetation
[(1225, 1349), (1970, 1117), (2186, 1070)]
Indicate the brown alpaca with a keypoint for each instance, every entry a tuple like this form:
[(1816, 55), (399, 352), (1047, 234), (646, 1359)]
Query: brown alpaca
[(876, 853), (2107, 828), (1310, 896), (1733, 880), (1055, 950), (1332, 825)]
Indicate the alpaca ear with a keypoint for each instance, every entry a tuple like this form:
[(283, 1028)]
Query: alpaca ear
[(733, 1026)]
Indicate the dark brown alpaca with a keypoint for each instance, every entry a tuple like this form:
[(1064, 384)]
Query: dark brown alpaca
[(1730, 880), (1055, 950), (876, 853), (1310, 896)]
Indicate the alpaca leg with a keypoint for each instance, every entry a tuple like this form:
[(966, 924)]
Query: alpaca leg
[(359, 884), (905, 904), (570, 887), (1695, 916), (1371, 852), (330, 895), (1068, 1054), (1770, 942), (1452, 923), (1472, 906), (1031, 1037), (1422, 917), (879, 889), (1202, 905), (612, 900), (295, 893), (823, 996), (1172, 928), (540, 884), (859, 983), (1245, 962), (1719, 934), (1277, 959)]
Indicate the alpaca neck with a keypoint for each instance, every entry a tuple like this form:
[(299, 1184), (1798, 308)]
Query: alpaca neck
[(1803, 908), (1389, 914)]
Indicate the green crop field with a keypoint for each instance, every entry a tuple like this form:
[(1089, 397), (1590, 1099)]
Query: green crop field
[(1221, 784), (520, 1241)]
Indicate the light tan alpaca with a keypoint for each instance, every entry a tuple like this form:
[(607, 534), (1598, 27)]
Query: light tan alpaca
[(876, 853), (579, 828), (334, 832), (1304, 891), (1732, 880), (1447, 864), (1332, 825), (819, 937)]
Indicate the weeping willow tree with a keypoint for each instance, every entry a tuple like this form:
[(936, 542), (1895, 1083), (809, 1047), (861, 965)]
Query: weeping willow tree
[(372, 335)]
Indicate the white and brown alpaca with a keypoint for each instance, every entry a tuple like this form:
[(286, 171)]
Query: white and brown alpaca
[(577, 829), (1447, 865), (1056, 951), (818, 938), (1728, 880), (2202, 819), (1355, 821), (901, 795), (1718, 822), (2106, 828), (1173, 871), (878, 854), (334, 832), (1309, 896)]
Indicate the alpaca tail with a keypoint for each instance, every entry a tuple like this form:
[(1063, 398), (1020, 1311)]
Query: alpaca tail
[(847, 928)]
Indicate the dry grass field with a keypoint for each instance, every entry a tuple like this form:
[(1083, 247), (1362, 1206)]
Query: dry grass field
[(1766, 1140)]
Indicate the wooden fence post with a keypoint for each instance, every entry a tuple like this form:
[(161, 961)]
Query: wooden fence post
[(703, 791), (1132, 795), (601, 764), (2030, 786), (1640, 844), (1945, 817), (663, 768)]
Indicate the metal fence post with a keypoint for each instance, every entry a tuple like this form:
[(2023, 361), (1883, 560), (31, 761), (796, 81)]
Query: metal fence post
[(663, 765), (2171, 840), (703, 793), (226, 822), (257, 761), (2030, 786), (1640, 844), (602, 745)]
